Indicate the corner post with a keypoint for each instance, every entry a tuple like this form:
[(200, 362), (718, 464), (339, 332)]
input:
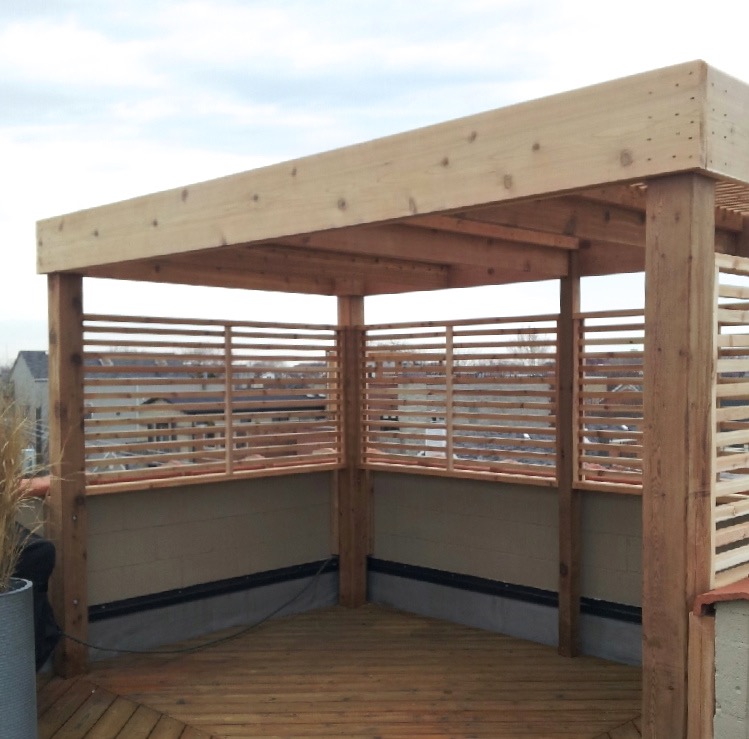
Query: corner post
[(679, 373), (353, 491), (67, 494), (569, 498)]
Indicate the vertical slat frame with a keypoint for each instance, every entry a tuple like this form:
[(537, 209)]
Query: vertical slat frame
[(67, 500), (568, 340), (677, 460)]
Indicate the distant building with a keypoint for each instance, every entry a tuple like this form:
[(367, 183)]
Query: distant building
[(29, 378)]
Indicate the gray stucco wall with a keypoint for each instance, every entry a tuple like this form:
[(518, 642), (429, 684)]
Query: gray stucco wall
[(732, 670), (151, 541), (507, 533)]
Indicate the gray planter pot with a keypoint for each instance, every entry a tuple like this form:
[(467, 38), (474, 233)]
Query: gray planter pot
[(17, 666)]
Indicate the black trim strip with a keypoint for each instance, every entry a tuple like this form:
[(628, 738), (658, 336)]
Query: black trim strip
[(208, 590), (590, 606)]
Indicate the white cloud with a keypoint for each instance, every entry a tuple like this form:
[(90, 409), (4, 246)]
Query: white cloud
[(103, 101), (42, 52)]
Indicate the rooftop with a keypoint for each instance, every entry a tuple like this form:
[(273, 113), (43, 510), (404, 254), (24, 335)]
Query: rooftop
[(562, 478), (37, 362)]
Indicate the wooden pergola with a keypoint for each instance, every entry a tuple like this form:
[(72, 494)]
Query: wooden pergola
[(650, 172)]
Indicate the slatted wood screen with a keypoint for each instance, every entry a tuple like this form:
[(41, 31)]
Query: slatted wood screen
[(471, 397), (609, 399), (165, 398), (731, 441), (168, 398)]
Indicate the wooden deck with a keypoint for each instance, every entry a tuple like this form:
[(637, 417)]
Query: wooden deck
[(369, 672)]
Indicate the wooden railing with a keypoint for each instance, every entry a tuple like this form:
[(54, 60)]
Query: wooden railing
[(480, 397), (609, 399), (465, 397), (731, 440), (169, 398)]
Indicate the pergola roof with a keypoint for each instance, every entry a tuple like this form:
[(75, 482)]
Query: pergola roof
[(498, 197)]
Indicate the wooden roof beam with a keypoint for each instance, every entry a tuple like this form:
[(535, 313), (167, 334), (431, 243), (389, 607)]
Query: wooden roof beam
[(202, 273), (284, 268), (605, 258), (634, 197), (274, 267), (585, 218), (293, 260), (571, 216), (402, 242), (457, 224), (620, 131)]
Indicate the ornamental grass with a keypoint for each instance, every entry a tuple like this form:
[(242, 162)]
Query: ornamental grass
[(13, 439)]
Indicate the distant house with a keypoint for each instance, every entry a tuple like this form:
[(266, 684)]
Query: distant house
[(29, 378)]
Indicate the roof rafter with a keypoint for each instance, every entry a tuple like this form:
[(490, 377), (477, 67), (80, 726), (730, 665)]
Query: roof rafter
[(595, 215), (498, 232), (427, 245)]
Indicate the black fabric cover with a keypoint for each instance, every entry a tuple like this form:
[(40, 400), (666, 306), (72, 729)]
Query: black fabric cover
[(36, 563)]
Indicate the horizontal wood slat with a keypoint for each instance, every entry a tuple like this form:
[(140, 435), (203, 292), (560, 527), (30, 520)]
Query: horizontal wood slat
[(178, 398), (731, 431), (609, 398), (462, 395), (189, 398)]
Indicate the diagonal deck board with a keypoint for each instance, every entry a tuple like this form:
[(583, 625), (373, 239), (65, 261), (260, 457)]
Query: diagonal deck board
[(374, 672), (78, 709)]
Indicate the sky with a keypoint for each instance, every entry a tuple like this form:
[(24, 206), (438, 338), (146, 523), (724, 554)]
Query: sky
[(102, 101)]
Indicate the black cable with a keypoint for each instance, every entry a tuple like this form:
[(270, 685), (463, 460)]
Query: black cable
[(213, 642)]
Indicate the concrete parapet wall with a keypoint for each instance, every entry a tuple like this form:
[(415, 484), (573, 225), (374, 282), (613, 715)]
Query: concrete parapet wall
[(507, 532), (158, 540), (732, 670)]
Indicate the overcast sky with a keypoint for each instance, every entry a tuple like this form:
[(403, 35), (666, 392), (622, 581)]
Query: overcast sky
[(101, 101)]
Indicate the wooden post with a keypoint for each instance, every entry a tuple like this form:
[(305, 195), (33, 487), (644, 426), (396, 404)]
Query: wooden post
[(353, 497), (228, 400), (679, 373), (567, 432), (701, 698), (449, 399), (67, 494)]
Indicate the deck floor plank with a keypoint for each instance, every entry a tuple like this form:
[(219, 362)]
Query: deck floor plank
[(373, 672), (54, 717), (113, 720), (88, 713), (140, 724), (167, 728), (49, 691)]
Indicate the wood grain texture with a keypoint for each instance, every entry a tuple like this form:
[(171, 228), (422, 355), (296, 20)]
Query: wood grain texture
[(78, 709), (701, 676), (623, 130), (353, 494), (570, 532), (66, 500), (376, 672), (727, 125), (678, 391)]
